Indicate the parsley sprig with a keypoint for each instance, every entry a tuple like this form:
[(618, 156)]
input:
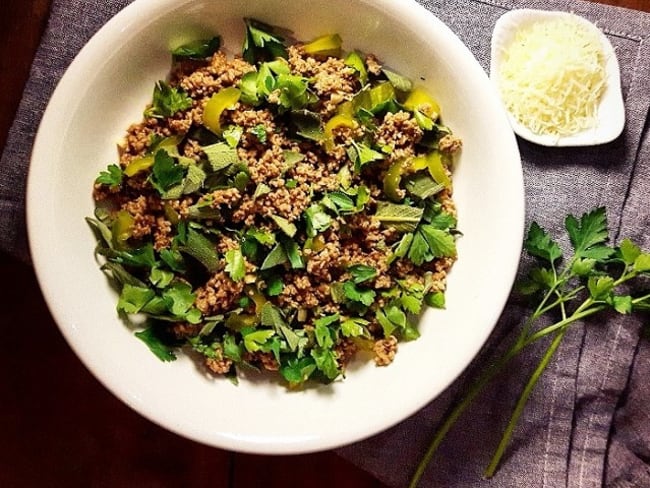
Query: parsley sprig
[(595, 278)]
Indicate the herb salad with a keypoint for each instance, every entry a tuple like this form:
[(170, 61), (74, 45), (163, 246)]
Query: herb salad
[(281, 210)]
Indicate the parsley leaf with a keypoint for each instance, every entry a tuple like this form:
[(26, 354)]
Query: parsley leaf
[(260, 43), (362, 272), (150, 337), (198, 49), (297, 371), (235, 264), (112, 177), (166, 173), (274, 286), (326, 362), (316, 220), (259, 131), (356, 294), (539, 243), (167, 101)]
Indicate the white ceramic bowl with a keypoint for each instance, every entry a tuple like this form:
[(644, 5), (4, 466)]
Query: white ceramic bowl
[(611, 110), (106, 88)]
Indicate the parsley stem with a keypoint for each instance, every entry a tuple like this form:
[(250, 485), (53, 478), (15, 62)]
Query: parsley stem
[(521, 402), (579, 314), (460, 407)]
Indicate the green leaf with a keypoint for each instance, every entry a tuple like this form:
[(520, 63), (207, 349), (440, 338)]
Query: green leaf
[(232, 135), (403, 218), (539, 243), (600, 287), (356, 294), (198, 49), (297, 371), (435, 299), (622, 303), (221, 156), (387, 326), (363, 154), (324, 335), (284, 225), (271, 316), (259, 131), (590, 231), (231, 349), (419, 251), (202, 249), (316, 220), (326, 362), (422, 186), (441, 243), (276, 257), (294, 94), (308, 124), (642, 263), (134, 298), (166, 173), (293, 253), (253, 341), (354, 327), (160, 278), (583, 267), (167, 101), (235, 264), (156, 345), (180, 301), (274, 286), (142, 257), (261, 43), (339, 202), (400, 82), (362, 272), (112, 177), (629, 251)]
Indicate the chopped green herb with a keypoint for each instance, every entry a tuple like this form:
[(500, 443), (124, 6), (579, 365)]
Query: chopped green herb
[(167, 101)]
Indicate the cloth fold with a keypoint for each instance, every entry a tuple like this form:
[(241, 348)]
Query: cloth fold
[(585, 424)]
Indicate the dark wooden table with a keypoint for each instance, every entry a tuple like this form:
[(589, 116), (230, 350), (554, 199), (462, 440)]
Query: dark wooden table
[(58, 425)]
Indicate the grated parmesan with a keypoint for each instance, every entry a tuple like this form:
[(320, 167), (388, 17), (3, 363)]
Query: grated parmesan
[(553, 76)]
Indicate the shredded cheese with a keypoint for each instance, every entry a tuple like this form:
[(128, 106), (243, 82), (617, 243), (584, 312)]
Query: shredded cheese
[(553, 76)]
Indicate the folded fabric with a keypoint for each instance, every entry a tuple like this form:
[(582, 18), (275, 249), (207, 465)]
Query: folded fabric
[(584, 425), (567, 435)]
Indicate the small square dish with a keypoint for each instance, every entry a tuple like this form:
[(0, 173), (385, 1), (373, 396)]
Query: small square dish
[(608, 113)]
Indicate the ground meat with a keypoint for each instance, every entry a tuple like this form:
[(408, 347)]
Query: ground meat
[(218, 294), (218, 365), (449, 144), (385, 350)]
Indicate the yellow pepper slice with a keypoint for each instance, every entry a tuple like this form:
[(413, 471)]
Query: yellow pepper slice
[(420, 100), (392, 180), (122, 228), (437, 168), (139, 164), (327, 45), (260, 300), (355, 61), (218, 103), (339, 120)]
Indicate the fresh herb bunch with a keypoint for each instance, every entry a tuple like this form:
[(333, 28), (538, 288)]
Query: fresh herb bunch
[(597, 277)]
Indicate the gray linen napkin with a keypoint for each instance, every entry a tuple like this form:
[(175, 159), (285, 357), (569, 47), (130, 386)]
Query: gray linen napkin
[(586, 424)]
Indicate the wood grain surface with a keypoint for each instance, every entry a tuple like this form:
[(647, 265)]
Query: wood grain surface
[(58, 425)]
